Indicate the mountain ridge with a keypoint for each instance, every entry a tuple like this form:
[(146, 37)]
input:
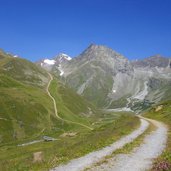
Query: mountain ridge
[(153, 61), (100, 74), (26, 109)]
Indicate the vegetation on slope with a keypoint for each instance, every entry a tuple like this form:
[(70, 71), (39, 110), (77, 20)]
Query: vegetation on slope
[(162, 112), (69, 104), (23, 113), (106, 131), (26, 109), (27, 113), (91, 81), (23, 71)]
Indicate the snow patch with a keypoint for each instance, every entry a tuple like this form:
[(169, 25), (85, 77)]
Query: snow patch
[(49, 62), (61, 71), (114, 91), (15, 56), (66, 56), (63, 56)]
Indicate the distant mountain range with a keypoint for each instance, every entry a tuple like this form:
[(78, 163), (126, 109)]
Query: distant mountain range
[(73, 97), (111, 81), (98, 78)]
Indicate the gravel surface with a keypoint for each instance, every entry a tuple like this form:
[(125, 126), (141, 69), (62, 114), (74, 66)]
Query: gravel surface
[(141, 158), (91, 158), (29, 143)]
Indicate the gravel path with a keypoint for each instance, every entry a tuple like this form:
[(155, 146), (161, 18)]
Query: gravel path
[(55, 108), (29, 143), (4, 119), (141, 158), (91, 158)]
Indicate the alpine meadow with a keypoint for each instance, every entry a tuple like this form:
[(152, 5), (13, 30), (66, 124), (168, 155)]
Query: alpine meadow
[(85, 85)]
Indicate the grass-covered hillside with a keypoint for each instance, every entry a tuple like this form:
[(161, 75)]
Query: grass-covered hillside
[(22, 70), (27, 114), (26, 109), (162, 112), (70, 144), (22, 113)]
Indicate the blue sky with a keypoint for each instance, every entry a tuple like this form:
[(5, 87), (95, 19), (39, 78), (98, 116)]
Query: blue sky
[(35, 29)]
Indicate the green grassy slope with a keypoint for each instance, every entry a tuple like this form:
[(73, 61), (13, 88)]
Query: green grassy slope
[(99, 85), (23, 71), (70, 105), (23, 114), (27, 113), (26, 109), (106, 131), (162, 112)]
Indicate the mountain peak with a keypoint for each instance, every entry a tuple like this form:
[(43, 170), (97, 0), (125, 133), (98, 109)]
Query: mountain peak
[(62, 56), (152, 61), (100, 51), (157, 56), (95, 47)]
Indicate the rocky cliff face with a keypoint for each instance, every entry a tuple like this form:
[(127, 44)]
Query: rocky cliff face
[(93, 73), (109, 80), (153, 61)]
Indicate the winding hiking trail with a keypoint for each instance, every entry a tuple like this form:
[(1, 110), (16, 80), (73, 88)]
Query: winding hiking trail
[(4, 119), (55, 108), (140, 159), (93, 157)]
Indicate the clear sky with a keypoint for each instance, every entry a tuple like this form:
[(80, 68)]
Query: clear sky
[(36, 29)]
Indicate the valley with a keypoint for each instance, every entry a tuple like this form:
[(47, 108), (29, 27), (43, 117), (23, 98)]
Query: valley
[(55, 108), (71, 123), (85, 85), (83, 113)]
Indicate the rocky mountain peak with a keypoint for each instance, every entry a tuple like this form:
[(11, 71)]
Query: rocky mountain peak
[(100, 52), (97, 47), (106, 78), (57, 60), (152, 61), (62, 57), (155, 57)]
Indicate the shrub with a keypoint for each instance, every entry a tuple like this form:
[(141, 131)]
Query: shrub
[(162, 166)]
